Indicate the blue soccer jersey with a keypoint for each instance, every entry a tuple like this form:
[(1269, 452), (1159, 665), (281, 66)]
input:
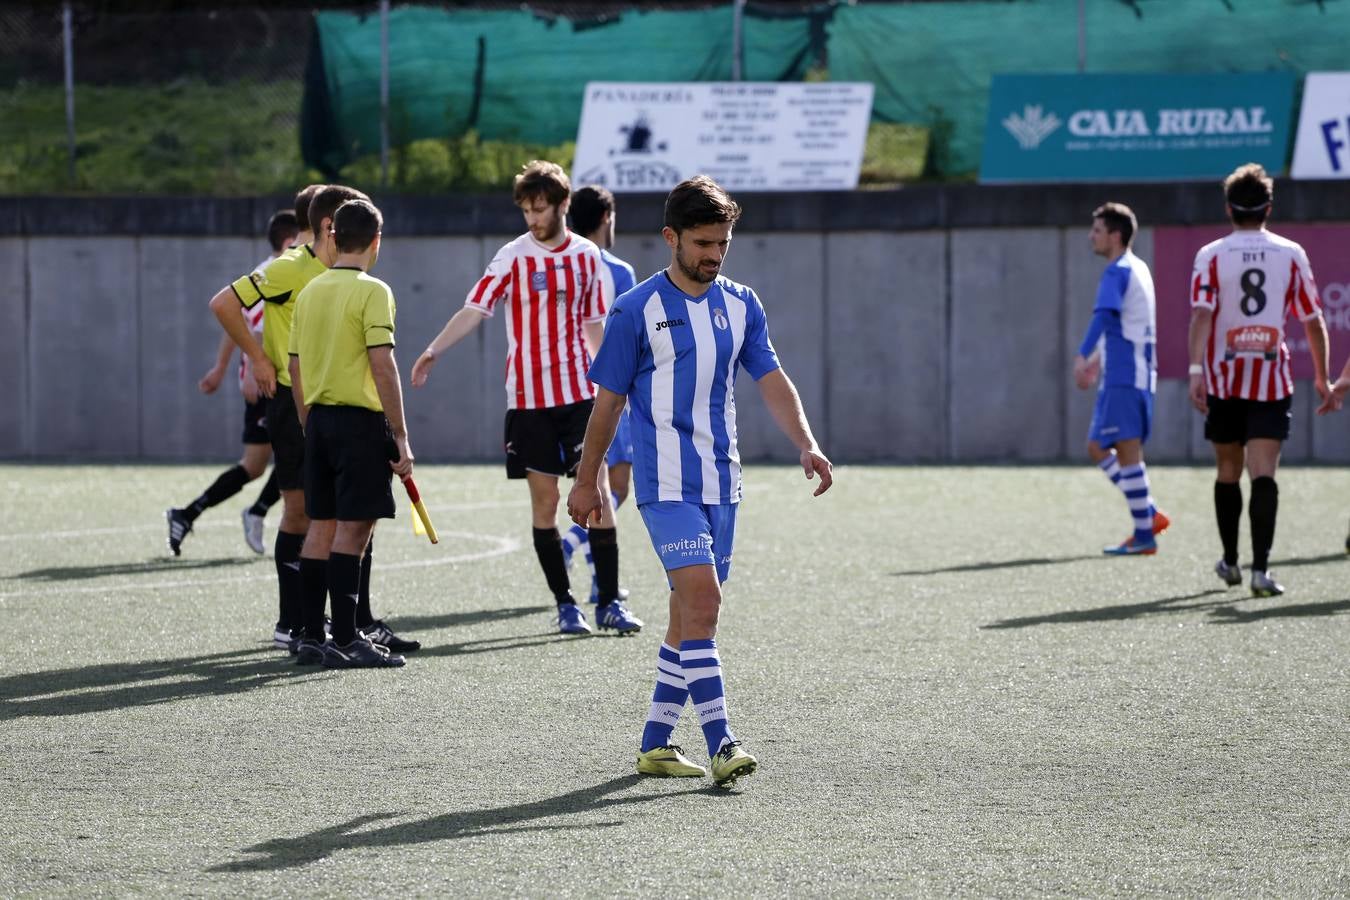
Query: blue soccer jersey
[(1124, 323), (676, 357), (620, 273)]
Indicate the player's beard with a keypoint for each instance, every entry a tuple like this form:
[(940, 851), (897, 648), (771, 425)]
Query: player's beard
[(552, 226), (700, 273)]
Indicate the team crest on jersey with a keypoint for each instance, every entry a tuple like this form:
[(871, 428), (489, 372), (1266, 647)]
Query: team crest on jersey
[(720, 319), (539, 281)]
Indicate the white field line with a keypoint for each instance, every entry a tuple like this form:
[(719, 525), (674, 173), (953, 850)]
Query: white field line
[(500, 547), (448, 509)]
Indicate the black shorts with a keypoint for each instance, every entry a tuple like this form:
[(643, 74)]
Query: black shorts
[(546, 440), (347, 455), (288, 440), (1233, 420), (255, 422)]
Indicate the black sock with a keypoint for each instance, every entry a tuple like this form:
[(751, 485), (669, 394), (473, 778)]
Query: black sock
[(286, 555), (344, 584), (314, 596), (268, 497), (1264, 504), (364, 617), (605, 555), (548, 547), (1228, 512), (230, 482)]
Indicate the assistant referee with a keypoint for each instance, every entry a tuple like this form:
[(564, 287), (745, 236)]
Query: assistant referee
[(348, 398)]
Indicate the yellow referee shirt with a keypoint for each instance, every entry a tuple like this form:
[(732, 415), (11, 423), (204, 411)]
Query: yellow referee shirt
[(339, 316), (278, 285)]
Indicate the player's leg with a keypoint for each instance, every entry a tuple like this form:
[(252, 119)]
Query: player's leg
[(377, 630), (1122, 424), (256, 458), (226, 485), (657, 754), (288, 456), (620, 477), (544, 498), (1263, 458), (1226, 430)]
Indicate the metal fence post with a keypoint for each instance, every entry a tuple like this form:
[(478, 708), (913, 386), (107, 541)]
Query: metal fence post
[(68, 53), (384, 93), (737, 39)]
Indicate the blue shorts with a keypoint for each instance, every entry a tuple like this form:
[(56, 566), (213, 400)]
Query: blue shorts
[(1122, 414), (691, 534), (621, 449)]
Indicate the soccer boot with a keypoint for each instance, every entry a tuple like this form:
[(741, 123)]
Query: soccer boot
[(309, 652), (179, 526), (282, 638), (359, 654), (1231, 575), (253, 531), (571, 620), (668, 762), (1161, 522), (616, 616), (730, 763), (1133, 548), (379, 633), (1263, 585)]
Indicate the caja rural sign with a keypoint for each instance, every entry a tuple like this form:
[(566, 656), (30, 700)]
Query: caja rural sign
[(1134, 127)]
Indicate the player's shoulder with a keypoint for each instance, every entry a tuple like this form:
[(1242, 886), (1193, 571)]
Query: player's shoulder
[(1212, 247), (517, 246), (735, 289), (582, 246), (637, 296), (612, 260), (1284, 243), (291, 266), (373, 285)]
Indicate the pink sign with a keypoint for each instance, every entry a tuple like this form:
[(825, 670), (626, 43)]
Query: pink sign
[(1174, 249)]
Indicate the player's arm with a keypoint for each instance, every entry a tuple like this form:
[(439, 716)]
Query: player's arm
[(225, 304), (594, 333), (1339, 388), (785, 405), (384, 369), (461, 324), (1197, 338), (584, 501), (298, 390), (214, 375)]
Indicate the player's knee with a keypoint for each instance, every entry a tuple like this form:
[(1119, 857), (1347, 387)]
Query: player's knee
[(701, 609)]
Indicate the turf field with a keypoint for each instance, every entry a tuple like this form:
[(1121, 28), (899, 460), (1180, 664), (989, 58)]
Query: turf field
[(950, 693)]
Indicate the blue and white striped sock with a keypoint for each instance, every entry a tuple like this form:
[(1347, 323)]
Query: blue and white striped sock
[(703, 674), (1110, 465), (1134, 482), (575, 537), (667, 700)]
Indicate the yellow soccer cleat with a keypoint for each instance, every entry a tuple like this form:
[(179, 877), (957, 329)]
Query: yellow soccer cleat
[(668, 761), (730, 763)]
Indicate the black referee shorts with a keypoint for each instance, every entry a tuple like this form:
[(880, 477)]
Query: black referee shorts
[(288, 440), (546, 440), (1233, 420), (347, 455), (255, 422)]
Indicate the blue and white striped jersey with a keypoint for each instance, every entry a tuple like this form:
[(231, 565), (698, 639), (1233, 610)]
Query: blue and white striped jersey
[(1125, 324), (620, 274), (676, 357)]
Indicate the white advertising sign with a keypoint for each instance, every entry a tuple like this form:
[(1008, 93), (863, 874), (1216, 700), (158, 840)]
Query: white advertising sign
[(1322, 149), (755, 136)]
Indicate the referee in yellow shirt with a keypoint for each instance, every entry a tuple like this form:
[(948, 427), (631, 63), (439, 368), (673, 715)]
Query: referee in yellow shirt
[(347, 395)]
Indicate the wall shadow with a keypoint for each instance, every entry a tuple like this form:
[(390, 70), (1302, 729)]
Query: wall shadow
[(156, 566), (1003, 564), (286, 853), (1166, 605)]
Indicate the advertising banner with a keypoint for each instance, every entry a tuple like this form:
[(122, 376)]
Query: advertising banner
[(1174, 249), (1135, 127), (1322, 148), (746, 135)]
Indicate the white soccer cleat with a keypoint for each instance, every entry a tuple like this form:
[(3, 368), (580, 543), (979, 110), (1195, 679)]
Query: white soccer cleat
[(253, 531)]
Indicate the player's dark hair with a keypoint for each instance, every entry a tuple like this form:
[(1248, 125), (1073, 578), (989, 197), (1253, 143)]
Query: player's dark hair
[(327, 201), (1118, 218), (302, 201), (1249, 192), (281, 229), (541, 178), (355, 224), (589, 205), (699, 201)]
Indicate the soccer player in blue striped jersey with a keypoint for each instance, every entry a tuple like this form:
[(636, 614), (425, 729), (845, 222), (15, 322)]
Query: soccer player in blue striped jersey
[(1120, 345), (594, 217), (671, 350)]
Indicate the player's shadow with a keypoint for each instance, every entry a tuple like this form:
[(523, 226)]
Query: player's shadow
[(156, 566), (1232, 615), (1001, 564), (495, 645), (1165, 606), (460, 619), (1308, 560), (286, 853), (110, 686)]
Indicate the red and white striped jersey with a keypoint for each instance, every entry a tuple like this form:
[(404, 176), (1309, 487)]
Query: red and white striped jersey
[(1252, 280), (548, 294)]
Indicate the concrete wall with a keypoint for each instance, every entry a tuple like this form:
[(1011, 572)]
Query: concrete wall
[(943, 338)]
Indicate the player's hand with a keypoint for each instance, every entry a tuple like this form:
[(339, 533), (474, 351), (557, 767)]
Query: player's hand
[(814, 463), (402, 466), (265, 374), (584, 503), (421, 369), (211, 380), (1085, 372), (250, 387), (1199, 399), (1333, 395)]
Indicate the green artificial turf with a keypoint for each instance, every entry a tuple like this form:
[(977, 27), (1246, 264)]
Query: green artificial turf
[(949, 690)]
